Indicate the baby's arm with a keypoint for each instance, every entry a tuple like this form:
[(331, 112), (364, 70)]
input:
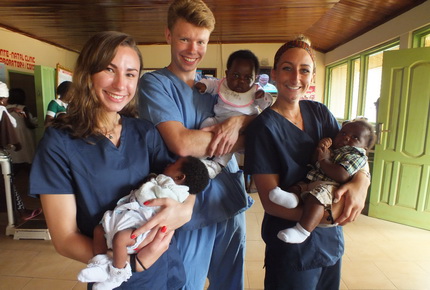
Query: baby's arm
[(263, 99), (209, 86), (120, 242), (259, 94), (99, 240), (323, 144), (334, 171), (201, 87)]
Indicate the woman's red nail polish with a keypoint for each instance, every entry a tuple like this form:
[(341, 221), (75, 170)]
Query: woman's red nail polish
[(133, 236), (146, 202), (164, 229)]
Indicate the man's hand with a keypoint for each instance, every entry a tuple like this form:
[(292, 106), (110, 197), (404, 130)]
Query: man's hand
[(225, 136)]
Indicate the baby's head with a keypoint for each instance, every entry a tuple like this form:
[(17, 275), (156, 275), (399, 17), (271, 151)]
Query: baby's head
[(242, 68), (358, 133), (189, 171)]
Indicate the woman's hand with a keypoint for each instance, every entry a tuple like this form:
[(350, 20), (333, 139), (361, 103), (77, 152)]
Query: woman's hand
[(172, 214), (149, 254), (354, 193)]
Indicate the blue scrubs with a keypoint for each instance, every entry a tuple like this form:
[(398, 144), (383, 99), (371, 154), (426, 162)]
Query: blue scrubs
[(212, 244), (275, 146), (99, 174)]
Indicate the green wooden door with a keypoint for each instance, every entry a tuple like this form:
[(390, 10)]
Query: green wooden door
[(400, 190), (44, 82)]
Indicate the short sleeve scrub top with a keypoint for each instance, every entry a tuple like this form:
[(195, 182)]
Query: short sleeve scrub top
[(99, 174), (275, 146)]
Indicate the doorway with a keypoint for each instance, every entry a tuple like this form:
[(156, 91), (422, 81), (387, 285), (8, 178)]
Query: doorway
[(26, 82)]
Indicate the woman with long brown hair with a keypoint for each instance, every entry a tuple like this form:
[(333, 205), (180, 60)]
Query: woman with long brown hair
[(97, 151)]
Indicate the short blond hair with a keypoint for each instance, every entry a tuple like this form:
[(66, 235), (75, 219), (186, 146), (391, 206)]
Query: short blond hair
[(195, 12)]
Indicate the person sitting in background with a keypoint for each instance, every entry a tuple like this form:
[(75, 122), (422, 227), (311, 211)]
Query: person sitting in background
[(263, 82), (59, 105)]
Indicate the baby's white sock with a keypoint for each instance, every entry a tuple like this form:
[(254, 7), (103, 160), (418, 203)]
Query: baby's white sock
[(96, 270), (116, 278), (294, 235), (283, 198)]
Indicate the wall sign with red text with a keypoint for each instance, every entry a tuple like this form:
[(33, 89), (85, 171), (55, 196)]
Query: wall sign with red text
[(16, 59)]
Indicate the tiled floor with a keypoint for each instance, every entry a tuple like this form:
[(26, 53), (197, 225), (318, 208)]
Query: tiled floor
[(379, 255)]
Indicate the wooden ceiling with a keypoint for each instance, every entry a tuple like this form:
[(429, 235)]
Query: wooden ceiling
[(328, 23)]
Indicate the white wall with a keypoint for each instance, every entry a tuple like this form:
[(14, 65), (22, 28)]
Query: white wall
[(158, 56), (154, 56), (399, 27), (29, 51)]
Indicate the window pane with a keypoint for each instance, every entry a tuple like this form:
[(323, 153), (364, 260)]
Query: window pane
[(355, 87), (422, 37), (427, 41), (373, 84), (338, 90)]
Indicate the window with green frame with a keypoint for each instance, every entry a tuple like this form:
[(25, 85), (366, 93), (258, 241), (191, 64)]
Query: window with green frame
[(421, 37), (352, 86)]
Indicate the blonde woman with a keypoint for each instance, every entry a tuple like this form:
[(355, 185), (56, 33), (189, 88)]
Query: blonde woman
[(279, 144)]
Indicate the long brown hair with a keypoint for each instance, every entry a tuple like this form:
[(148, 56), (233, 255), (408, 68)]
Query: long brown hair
[(84, 112)]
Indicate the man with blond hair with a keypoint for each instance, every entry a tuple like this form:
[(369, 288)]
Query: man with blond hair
[(212, 243)]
